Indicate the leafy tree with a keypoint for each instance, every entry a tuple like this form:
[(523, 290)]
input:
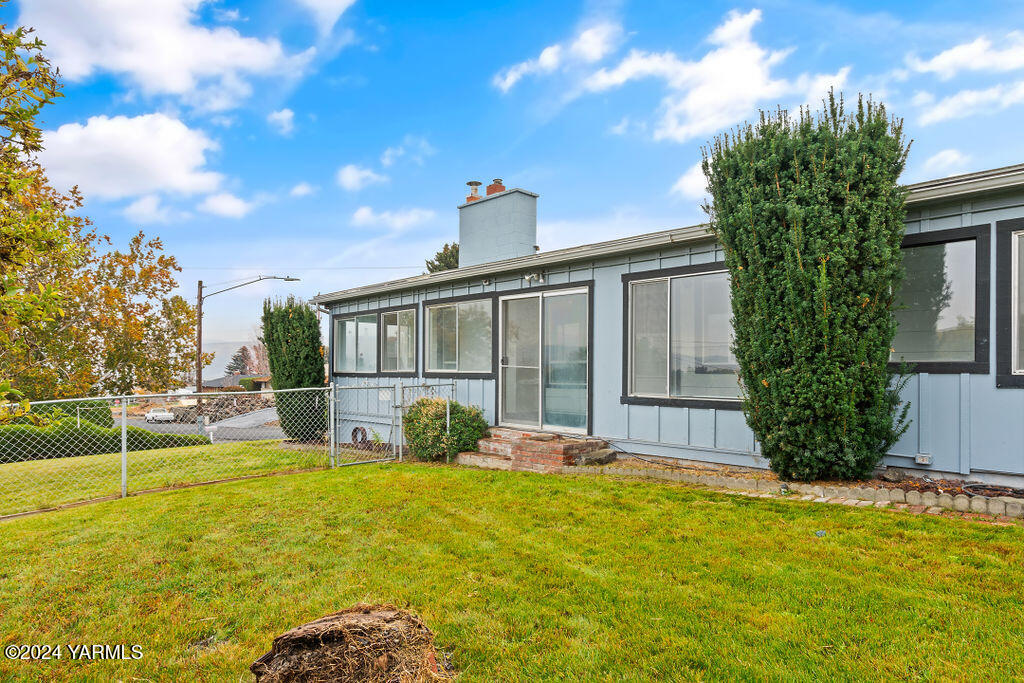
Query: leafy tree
[(240, 362), (811, 219), (120, 327), (446, 259), (291, 334), (260, 365), (30, 226)]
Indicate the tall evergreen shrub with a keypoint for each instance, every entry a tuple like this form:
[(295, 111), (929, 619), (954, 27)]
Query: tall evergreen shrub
[(291, 335), (811, 219)]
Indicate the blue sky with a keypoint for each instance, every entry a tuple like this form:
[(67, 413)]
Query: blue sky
[(331, 140)]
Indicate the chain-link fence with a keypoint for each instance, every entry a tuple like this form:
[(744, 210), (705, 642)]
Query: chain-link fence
[(72, 450)]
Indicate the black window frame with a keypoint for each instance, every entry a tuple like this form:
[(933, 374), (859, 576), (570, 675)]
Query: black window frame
[(626, 398), (455, 374), (1005, 379), (382, 340), (377, 312), (982, 281)]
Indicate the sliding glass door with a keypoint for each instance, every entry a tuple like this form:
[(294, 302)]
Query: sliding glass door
[(544, 374)]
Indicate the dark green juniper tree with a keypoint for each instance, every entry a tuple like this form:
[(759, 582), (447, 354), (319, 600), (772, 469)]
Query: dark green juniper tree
[(811, 218), (291, 335)]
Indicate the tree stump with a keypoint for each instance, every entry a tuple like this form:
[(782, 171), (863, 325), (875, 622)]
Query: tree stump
[(379, 643)]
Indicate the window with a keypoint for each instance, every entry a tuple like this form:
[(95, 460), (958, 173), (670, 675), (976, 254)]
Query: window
[(1010, 303), (398, 341), (942, 306), (459, 337), (355, 343), (680, 331), (936, 304)]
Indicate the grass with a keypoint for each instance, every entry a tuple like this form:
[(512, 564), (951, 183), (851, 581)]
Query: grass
[(522, 577), (41, 484)]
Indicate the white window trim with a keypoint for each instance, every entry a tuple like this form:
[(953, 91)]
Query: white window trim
[(354, 316), (668, 339), (427, 331), (1016, 363), (382, 334)]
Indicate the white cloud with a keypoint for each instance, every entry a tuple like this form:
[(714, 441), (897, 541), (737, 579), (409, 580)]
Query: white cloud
[(969, 102), (227, 205), (159, 47), (354, 178), (117, 157), (977, 55), (147, 209), (302, 190), (402, 219), (945, 163), (283, 121), (719, 89), (594, 43), (621, 127), (692, 184), (416, 148), (590, 45), (326, 12)]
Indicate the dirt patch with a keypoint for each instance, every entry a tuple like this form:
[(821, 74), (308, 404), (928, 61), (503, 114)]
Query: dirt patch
[(379, 643)]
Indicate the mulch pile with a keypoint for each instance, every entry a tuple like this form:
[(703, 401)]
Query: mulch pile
[(379, 643)]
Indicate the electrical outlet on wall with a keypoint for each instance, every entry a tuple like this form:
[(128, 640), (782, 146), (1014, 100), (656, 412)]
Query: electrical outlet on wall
[(923, 459)]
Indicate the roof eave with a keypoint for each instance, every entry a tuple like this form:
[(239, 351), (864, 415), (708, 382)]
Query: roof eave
[(953, 187)]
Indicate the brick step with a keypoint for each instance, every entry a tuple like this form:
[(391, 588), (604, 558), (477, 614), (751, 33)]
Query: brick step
[(510, 434)]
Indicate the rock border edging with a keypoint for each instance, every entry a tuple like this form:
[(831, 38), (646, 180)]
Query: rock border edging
[(1002, 506)]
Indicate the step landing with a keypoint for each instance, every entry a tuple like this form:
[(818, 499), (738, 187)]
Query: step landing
[(514, 449)]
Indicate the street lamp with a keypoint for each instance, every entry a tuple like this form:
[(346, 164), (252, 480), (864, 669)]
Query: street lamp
[(200, 297)]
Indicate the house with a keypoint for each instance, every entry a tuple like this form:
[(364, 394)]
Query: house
[(628, 340)]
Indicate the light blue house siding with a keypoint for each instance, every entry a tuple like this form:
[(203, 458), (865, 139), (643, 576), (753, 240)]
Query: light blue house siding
[(962, 421)]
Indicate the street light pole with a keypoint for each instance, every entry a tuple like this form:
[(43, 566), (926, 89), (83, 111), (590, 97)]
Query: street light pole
[(199, 339), (200, 297)]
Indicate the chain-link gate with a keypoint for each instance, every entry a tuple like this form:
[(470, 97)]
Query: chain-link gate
[(367, 420)]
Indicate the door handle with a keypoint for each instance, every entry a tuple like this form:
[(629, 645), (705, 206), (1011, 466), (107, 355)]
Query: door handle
[(504, 361)]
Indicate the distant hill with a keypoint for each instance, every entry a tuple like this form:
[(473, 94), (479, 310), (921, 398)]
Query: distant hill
[(223, 352)]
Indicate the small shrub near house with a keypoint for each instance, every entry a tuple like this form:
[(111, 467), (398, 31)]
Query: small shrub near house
[(64, 438), (428, 437)]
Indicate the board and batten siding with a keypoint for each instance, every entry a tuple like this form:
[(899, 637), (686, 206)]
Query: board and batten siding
[(961, 420)]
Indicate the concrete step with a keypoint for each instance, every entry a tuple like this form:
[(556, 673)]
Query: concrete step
[(601, 456)]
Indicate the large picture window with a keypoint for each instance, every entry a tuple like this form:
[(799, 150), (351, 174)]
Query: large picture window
[(679, 337), (941, 307), (459, 337), (936, 303), (355, 343), (398, 341)]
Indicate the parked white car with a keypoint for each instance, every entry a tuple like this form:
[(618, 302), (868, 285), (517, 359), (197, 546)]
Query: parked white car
[(159, 415)]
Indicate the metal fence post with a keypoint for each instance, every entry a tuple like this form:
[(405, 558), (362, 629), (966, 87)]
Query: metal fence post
[(400, 395), (448, 417), (331, 398), (124, 447)]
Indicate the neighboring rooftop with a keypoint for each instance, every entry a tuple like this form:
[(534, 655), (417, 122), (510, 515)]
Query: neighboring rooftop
[(953, 187)]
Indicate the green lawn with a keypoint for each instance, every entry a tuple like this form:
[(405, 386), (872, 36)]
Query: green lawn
[(522, 577), (40, 484)]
